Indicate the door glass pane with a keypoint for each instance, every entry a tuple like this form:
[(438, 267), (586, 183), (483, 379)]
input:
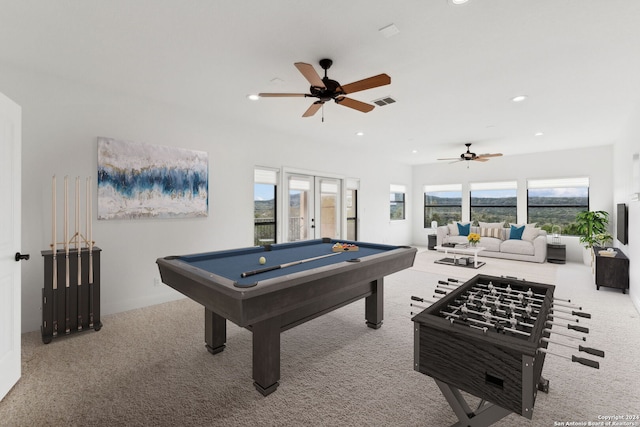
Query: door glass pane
[(329, 213), (298, 209), (351, 212)]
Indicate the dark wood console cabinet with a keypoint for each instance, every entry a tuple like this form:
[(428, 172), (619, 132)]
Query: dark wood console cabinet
[(612, 272)]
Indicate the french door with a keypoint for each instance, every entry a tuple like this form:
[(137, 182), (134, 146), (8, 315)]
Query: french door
[(312, 207)]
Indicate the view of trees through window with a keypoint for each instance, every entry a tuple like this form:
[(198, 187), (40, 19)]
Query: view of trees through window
[(494, 205), (550, 207), (397, 206), (442, 207), (264, 214)]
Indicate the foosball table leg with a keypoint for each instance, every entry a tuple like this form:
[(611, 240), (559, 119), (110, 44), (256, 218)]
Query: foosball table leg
[(485, 415), (543, 384)]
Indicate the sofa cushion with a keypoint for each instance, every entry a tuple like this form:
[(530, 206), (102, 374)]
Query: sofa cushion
[(498, 233), (453, 228), (463, 229), (530, 233), (491, 224), (490, 244), (516, 232), (514, 246)]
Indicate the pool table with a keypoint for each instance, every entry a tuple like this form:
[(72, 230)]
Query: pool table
[(271, 302)]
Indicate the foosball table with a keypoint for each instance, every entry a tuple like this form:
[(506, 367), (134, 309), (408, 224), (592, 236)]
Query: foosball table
[(489, 337)]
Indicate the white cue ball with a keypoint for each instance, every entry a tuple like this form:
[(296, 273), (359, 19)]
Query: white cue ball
[(262, 260)]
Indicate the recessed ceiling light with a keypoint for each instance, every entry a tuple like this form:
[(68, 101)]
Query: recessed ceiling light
[(459, 1), (414, 151), (519, 98), (360, 133), (253, 97), (539, 134)]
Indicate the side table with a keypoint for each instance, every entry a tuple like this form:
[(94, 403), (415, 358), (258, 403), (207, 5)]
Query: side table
[(556, 253)]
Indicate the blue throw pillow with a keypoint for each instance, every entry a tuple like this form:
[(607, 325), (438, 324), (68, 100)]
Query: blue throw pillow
[(516, 232), (463, 230)]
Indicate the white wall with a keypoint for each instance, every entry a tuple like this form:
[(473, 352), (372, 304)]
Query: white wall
[(593, 162), (626, 183), (61, 121)]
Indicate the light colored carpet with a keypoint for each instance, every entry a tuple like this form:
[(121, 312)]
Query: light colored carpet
[(150, 367)]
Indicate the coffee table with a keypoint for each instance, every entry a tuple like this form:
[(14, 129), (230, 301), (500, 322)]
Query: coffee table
[(461, 250)]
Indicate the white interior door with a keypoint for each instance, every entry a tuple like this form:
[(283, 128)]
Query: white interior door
[(327, 207), (10, 146)]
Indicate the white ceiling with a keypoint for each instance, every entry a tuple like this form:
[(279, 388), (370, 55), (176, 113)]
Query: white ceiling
[(453, 68)]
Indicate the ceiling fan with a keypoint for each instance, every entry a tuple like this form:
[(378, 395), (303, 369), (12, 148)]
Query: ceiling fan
[(468, 156), (326, 89)]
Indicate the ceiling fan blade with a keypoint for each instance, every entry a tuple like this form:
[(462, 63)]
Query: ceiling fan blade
[(310, 74), (370, 83), (490, 155), (451, 158), (281, 95), (356, 105), (480, 159), (313, 109)]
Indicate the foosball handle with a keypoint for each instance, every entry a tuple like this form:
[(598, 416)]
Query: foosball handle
[(586, 362), (440, 291), (593, 351), (414, 298), (581, 314), (578, 328)]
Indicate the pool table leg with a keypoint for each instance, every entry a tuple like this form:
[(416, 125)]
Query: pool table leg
[(215, 331), (374, 305), (266, 355)]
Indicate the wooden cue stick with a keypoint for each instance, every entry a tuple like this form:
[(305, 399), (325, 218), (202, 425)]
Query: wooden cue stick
[(90, 237), (66, 250), (79, 250), (285, 265), (54, 246)]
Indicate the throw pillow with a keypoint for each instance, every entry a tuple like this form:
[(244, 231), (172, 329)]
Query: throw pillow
[(453, 229), (530, 233), (463, 229), (492, 232), (516, 232), (491, 224)]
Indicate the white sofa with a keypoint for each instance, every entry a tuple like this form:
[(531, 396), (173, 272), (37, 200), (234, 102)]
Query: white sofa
[(495, 238)]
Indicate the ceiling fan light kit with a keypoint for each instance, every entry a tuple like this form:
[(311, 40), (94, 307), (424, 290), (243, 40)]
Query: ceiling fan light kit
[(326, 89)]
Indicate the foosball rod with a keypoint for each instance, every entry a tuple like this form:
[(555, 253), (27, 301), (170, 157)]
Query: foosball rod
[(569, 326), (528, 294), (573, 337), (589, 350), (481, 322), (553, 306), (487, 314), (580, 360), (496, 303)]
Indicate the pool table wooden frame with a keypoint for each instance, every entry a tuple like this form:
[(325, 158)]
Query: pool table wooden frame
[(278, 304)]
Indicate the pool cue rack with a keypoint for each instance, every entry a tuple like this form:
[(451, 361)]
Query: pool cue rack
[(71, 292), (76, 308)]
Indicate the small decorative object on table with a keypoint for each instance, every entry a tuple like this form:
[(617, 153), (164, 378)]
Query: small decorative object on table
[(473, 239), (344, 247)]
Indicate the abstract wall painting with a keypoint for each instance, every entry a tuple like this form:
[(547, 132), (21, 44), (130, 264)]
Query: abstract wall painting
[(138, 180)]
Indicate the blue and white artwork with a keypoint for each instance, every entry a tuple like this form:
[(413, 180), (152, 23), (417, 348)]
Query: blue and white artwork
[(137, 180)]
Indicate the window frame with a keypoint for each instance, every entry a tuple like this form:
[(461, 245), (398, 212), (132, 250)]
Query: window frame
[(442, 188), (397, 190), (494, 186), (558, 183)]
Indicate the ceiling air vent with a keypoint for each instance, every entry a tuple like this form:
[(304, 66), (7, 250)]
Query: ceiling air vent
[(384, 101)]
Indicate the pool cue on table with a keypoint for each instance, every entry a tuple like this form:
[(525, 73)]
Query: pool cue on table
[(54, 247), (66, 252), (285, 265), (79, 250)]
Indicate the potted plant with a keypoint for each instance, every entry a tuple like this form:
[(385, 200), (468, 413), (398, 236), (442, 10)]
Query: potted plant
[(592, 229)]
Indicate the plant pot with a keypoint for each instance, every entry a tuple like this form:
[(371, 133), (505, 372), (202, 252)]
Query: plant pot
[(587, 255)]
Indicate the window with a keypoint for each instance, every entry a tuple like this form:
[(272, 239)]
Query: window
[(556, 202), (442, 204), (264, 206), (494, 201), (397, 202)]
